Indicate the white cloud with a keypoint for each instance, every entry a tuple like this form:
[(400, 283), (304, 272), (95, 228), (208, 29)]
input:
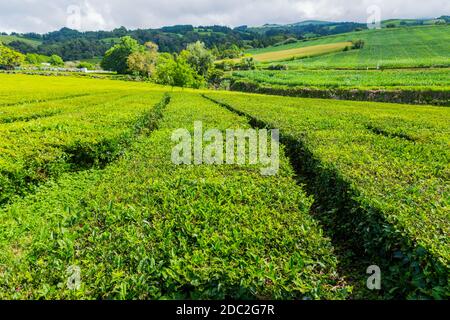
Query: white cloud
[(47, 15)]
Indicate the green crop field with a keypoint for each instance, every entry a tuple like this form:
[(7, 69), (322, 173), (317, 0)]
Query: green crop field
[(44, 134), (409, 79), (146, 228), (298, 53), (412, 61), (423, 46), (383, 168), (87, 181)]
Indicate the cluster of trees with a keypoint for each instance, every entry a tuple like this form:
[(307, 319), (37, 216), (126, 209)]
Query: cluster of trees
[(86, 65), (358, 44), (75, 49), (226, 43), (246, 63), (10, 58), (227, 52), (37, 59), (22, 46), (192, 67)]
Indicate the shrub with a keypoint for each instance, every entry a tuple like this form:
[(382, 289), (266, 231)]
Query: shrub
[(56, 60), (86, 65), (358, 44), (279, 67)]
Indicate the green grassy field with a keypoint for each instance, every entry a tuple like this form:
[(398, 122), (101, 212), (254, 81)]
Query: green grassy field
[(399, 22), (87, 180), (423, 46), (8, 39)]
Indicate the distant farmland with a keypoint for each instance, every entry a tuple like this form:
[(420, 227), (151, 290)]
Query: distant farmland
[(403, 65), (298, 53), (409, 79), (424, 46)]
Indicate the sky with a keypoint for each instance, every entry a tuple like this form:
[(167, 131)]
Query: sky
[(42, 16)]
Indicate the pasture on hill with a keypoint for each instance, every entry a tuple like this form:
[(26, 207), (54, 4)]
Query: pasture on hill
[(424, 46)]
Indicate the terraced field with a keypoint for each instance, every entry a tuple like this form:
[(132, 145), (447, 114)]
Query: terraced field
[(88, 182)]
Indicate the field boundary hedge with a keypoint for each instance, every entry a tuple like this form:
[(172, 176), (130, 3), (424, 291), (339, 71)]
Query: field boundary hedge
[(407, 267), (428, 97)]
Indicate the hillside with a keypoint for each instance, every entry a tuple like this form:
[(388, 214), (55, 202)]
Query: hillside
[(298, 53), (8, 39), (423, 46)]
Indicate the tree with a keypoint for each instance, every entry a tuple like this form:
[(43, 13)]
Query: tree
[(174, 70), (358, 44), (165, 66), (85, 65), (229, 52), (10, 58), (215, 77), (116, 58), (143, 63), (22, 47), (36, 59), (199, 58), (247, 63), (56, 60)]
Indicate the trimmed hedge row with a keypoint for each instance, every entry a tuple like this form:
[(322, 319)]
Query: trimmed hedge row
[(145, 228), (429, 97), (382, 195), (49, 138)]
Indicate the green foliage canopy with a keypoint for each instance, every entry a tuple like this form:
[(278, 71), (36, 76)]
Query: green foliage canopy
[(10, 58), (199, 57), (116, 58), (174, 70), (143, 63), (56, 60)]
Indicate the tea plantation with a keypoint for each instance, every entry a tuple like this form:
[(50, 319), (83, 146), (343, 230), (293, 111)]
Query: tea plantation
[(87, 182)]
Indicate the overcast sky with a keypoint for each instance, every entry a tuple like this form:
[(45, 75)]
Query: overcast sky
[(49, 15)]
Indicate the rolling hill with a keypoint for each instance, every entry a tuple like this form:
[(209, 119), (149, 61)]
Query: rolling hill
[(422, 46), (8, 39)]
